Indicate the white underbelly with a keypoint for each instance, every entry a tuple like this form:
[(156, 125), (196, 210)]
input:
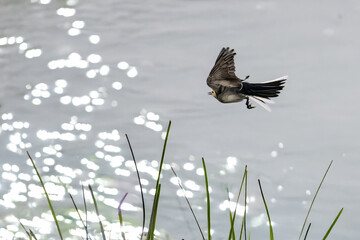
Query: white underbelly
[(231, 97)]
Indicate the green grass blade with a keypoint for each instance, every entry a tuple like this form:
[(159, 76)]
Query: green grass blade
[(245, 204), (153, 213), (188, 202), (163, 153), (151, 234), (27, 233), (312, 202), (97, 212), (141, 188), (207, 201), (243, 222), (232, 220), (267, 212), (242, 226), (156, 210), (32, 234), (154, 207), (120, 216), (244, 214), (77, 210), (307, 231), (47, 196), (333, 224), (237, 201), (86, 212)]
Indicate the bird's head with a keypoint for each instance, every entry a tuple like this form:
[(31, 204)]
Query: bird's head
[(213, 93)]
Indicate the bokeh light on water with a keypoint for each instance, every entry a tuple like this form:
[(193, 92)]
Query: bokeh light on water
[(19, 185)]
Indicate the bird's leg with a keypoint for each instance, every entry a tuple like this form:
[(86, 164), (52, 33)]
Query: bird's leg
[(248, 105)]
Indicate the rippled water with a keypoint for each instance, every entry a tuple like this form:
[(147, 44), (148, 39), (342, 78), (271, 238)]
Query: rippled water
[(77, 75)]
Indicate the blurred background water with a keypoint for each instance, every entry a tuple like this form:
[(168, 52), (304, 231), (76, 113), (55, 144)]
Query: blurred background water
[(75, 76)]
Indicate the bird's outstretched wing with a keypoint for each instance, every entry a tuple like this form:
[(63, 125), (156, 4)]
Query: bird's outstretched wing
[(223, 72)]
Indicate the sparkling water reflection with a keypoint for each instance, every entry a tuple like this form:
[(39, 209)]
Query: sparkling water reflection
[(76, 76)]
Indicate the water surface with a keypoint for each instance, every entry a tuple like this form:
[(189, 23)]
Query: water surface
[(77, 75)]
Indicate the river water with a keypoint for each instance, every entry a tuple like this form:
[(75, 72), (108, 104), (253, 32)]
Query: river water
[(76, 76)]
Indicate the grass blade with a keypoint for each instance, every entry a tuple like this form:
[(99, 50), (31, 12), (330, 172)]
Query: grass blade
[(141, 188), (232, 220), (245, 203), (237, 201), (307, 231), (312, 202), (188, 202), (27, 233), (77, 210), (86, 212), (154, 214), (97, 212), (163, 154), (333, 224), (32, 234), (120, 216), (47, 196), (267, 212), (157, 194), (242, 225), (207, 201)]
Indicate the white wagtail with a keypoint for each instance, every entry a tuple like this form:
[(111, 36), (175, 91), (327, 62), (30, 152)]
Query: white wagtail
[(228, 88)]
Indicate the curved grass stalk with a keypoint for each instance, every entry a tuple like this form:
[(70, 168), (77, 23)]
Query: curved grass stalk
[(188, 202), (47, 196), (97, 213), (207, 201), (267, 212), (157, 191), (312, 202), (237, 201), (141, 188)]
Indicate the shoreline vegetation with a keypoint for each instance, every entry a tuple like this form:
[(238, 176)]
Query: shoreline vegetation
[(148, 233)]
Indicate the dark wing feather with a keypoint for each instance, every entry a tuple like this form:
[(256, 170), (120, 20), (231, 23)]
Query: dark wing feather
[(223, 72)]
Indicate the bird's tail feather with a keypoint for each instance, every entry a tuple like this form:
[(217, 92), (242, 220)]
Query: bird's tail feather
[(264, 90), (261, 93), (261, 101)]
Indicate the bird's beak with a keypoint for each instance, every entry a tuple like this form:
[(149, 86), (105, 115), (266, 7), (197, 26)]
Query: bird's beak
[(209, 93)]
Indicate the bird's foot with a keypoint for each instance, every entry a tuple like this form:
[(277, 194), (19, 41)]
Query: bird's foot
[(248, 104)]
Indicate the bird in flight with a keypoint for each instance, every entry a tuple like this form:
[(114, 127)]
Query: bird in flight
[(228, 88)]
